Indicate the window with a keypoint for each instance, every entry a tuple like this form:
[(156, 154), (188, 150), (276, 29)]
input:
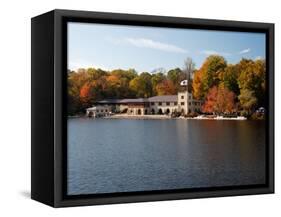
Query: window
[(160, 103), (182, 97), (97, 110), (175, 103), (189, 103), (167, 103), (182, 103), (152, 103), (101, 110), (105, 110)]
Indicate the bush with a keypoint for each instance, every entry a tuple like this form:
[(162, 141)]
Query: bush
[(175, 114), (230, 116), (257, 116), (191, 115), (245, 114)]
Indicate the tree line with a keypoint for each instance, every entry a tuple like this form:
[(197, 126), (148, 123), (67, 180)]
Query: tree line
[(85, 86), (230, 88), (225, 88)]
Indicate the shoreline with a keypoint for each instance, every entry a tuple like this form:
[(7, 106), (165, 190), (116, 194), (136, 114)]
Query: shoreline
[(139, 117), (164, 117)]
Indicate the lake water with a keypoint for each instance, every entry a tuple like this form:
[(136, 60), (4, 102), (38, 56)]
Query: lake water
[(114, 155)]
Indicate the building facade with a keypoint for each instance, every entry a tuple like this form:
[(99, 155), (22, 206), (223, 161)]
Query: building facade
[(183, 103)]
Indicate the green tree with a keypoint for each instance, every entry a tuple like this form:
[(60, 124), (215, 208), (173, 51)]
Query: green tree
[(176, 76), (247, 100), (155, 80), (229, 78), (208, 75), (252, 78), (142, 85), (213, 66)]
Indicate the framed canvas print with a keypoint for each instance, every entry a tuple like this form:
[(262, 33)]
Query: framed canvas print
[(134, 108)]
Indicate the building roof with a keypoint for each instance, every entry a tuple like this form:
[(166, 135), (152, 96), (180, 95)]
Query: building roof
[(94, 108), (119, 101), (165, 98), (140, 100), (109, 101)]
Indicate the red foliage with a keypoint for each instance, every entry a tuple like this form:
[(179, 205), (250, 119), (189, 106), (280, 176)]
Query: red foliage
[(210, 101), (219, 100), (85, 91)]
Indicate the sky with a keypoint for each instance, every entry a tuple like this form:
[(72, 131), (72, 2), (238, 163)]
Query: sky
[(146, 49)]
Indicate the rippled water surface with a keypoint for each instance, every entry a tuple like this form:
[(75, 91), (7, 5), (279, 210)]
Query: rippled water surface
[(106, 155)]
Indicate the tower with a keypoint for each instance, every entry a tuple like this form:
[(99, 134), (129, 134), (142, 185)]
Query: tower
[(183, 102)]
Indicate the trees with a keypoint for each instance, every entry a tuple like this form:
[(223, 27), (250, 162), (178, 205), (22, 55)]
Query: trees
[(176, 76), (215, 82), (225, 100), (189, 68), (208, 75), (141, 85), (219, 100), (155, 80), (76, 80), (252, 79), (247, 100), (210, 102), (229, 78), (197, 86), (166, 87)]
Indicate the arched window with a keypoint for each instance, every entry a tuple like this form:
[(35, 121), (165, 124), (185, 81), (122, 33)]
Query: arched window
[(152, 111), (160, 112), (139, 112), (168, 111)]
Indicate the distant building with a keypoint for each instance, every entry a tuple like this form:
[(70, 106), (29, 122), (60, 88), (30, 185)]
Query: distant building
[(183, 102), (98, 111)]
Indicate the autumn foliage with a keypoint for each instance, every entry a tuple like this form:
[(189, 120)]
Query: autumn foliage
[(166, 87), (86, 86), (226, 88), (219, 100), (223, 87)]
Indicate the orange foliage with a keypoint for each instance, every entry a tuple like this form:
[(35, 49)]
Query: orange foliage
[(210, 101), (197, 85), (166, 87), (219, 100), (113, 80), (85, 91)]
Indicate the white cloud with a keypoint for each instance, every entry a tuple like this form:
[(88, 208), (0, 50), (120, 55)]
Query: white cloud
[(245, 51), (148, 43), (214, 52)]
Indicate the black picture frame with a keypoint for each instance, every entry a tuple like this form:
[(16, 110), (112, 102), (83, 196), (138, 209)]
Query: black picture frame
[(49, 70)]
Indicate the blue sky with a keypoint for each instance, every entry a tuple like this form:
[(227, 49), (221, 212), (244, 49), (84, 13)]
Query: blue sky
[(148, 48)]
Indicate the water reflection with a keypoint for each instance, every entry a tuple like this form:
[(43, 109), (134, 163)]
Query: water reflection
[(136, 155)]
